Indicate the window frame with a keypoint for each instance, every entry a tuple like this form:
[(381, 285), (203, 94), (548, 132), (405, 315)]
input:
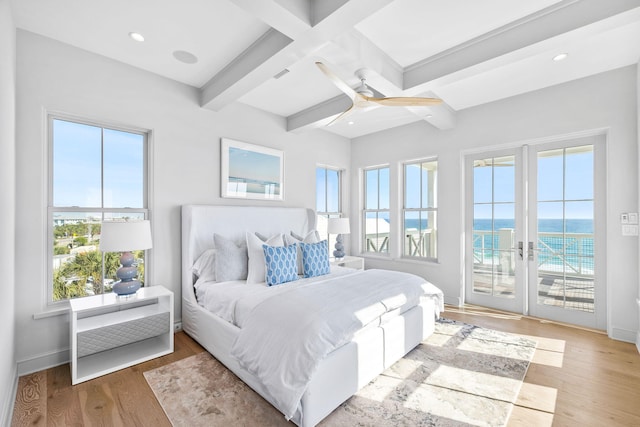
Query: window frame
[(420, 209), (330, 214), (365, 211), (51, 209)]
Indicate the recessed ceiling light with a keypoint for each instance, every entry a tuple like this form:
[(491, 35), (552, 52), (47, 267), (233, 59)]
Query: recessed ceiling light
[(136, 36), (184, 56), (428, 116), (560, 56), (351, 122)]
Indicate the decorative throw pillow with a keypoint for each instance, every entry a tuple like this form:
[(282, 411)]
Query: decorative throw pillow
[(281, 264), (231, 259), (315, 258), (311, 237), (256, 269), (205, 266)]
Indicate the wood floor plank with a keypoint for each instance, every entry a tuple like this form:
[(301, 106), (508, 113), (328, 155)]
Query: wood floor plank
[(63, 403), (31, 400)]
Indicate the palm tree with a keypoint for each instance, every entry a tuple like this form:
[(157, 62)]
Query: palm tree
[(70, 280)]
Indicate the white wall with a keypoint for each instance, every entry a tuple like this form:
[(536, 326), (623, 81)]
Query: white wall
[(603, 101), (186, 159), (638, 207), (8, 374)]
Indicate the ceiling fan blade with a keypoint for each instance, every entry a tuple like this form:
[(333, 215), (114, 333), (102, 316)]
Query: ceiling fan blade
[(337, 80), (342, 115), (408, 101)]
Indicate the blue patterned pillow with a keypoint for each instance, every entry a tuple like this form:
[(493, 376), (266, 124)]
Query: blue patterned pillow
[(281, 263), (315, 259)]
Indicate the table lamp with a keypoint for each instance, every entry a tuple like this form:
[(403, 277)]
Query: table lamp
[(338, 226), (125, 236)]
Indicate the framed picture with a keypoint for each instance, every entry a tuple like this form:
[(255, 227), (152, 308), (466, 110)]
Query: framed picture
[(251, 171)]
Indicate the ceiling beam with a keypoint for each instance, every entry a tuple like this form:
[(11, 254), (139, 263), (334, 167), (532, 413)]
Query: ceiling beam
[(553, 21), (276, 50), (290, 18), (318, 115)]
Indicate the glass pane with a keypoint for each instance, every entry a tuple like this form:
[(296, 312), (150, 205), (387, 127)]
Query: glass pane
[(483, 181), (321, 190), (504, 216), (371, 183), (384, 188), (376, 230), (411, 235), (76, 164), (77, 261), (429, 184), (123, 169), (412, 186), (482, 227), (550, 175), (579, 173), (504, 179), (579, 217), (333, 190), (429, 234), (483, 268), (504, 274)]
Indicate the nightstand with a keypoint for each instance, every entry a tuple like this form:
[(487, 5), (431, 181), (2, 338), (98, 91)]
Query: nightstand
[(109, 333), (349, 261)]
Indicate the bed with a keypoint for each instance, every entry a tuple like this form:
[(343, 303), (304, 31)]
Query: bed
[(336, 373)]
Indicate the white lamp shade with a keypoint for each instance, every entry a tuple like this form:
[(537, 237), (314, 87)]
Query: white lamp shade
[(121, 236), (338, 226)]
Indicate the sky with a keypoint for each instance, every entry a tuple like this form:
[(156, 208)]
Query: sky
[(78, 182), (571, 180)]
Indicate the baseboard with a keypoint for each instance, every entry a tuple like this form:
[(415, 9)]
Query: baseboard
[(624, 335), (638, 333), (44, 361), (7, 408)]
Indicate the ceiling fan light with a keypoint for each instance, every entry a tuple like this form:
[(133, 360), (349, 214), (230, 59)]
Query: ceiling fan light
[(364, 90), (136, 36), (560, 56)]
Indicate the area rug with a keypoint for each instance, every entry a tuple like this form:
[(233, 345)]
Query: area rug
[(461, 375)]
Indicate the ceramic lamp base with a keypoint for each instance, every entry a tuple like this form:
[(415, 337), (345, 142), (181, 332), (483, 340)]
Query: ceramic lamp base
[(339, 252), (126, 288), (126, 273)]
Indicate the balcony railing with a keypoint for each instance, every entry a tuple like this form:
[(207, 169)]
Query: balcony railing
[(568, 253)]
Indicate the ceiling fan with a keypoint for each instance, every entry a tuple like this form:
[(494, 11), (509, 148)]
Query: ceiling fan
[(363, 98)]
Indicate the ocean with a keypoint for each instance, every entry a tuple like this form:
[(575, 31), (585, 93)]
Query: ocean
[(572, 254)]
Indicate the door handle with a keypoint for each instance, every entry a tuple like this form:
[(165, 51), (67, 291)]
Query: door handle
[(521, 249), (530, 252)]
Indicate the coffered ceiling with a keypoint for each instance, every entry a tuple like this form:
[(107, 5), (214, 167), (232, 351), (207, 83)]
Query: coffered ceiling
[(263, 52)]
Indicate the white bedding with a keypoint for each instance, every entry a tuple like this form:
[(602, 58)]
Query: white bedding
[(233, 300), (308, 319)]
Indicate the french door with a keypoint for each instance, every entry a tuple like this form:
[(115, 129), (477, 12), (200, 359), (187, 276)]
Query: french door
[(534, 227)]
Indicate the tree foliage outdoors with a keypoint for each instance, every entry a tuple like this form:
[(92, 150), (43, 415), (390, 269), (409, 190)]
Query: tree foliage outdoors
[(71, 279)]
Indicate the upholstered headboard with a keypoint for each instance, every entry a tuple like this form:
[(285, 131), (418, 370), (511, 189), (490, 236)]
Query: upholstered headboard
[(200, 222)]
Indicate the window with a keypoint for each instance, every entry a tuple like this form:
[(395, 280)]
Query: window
[(420, 209), (328, 195), (95, 173), (376, 210)]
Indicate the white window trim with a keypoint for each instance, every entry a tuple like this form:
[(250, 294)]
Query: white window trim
[(363, 216), (404, 209)]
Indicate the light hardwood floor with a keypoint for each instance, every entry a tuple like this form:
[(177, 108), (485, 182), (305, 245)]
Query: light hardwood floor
[(577, 378)]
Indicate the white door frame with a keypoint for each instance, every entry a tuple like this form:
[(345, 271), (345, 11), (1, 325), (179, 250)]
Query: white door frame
[(597, 138)]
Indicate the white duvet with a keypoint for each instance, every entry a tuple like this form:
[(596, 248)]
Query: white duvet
[(286, 330)]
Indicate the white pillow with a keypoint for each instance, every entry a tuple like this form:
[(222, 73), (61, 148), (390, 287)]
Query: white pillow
[(312, 237), (257, 271), (231, 259), (205, 266)]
